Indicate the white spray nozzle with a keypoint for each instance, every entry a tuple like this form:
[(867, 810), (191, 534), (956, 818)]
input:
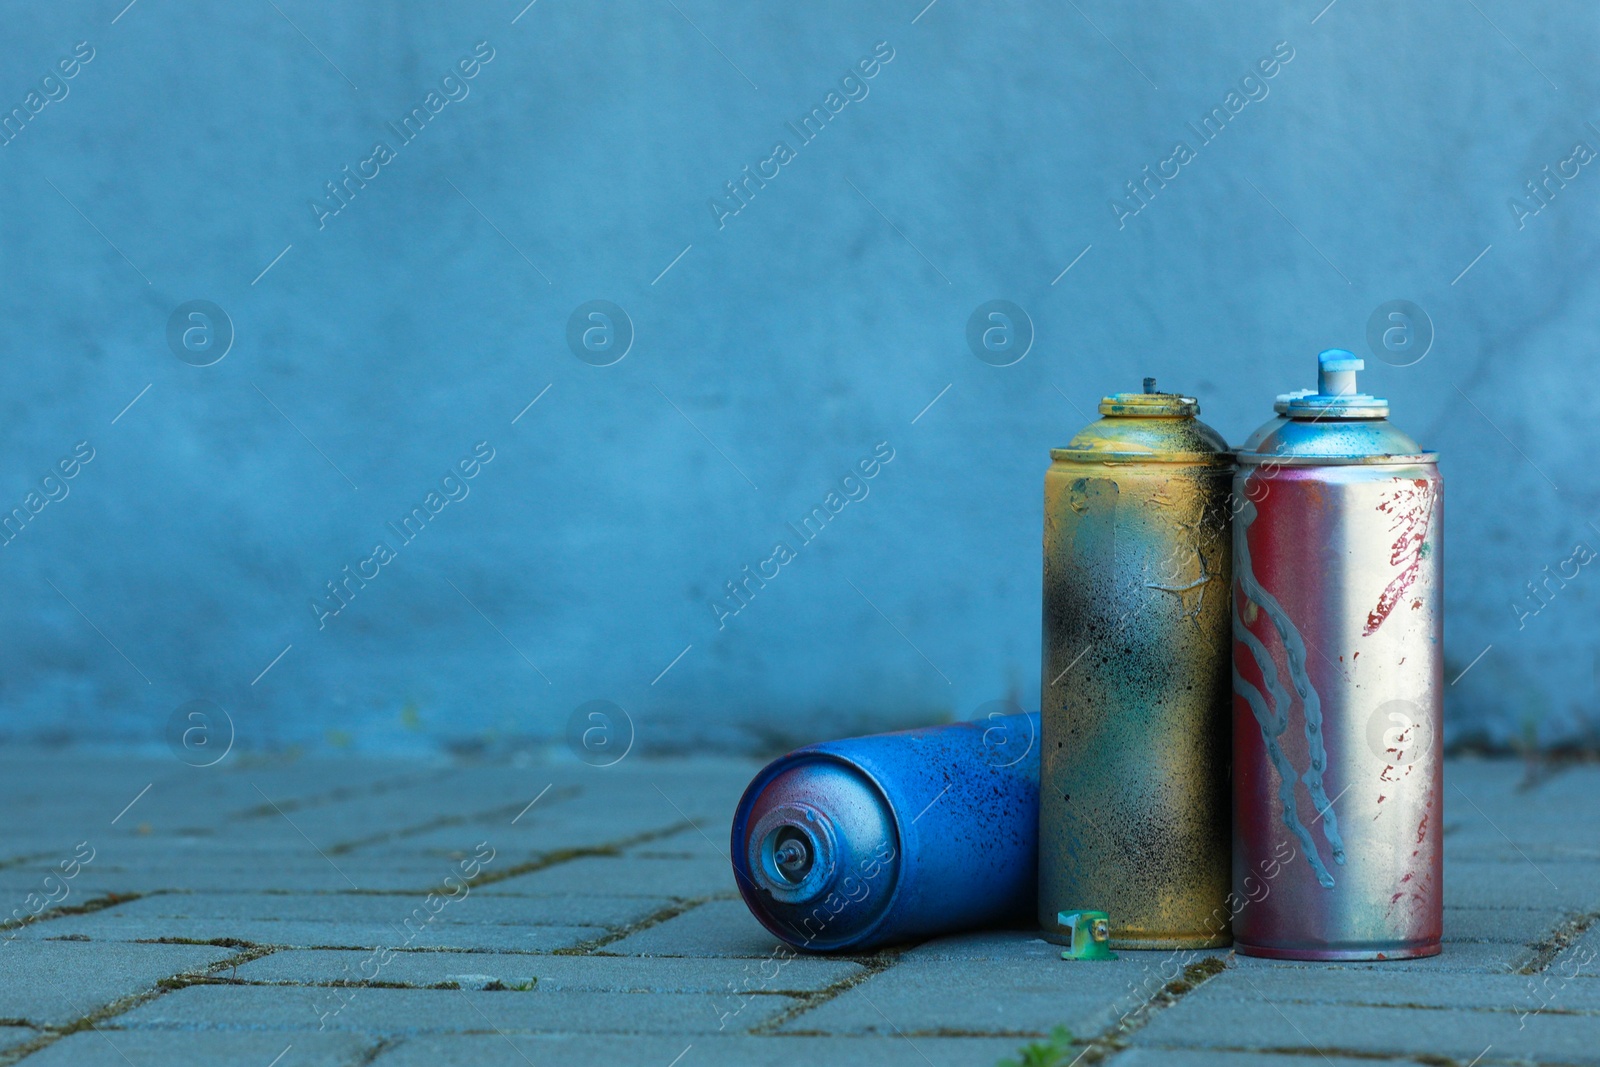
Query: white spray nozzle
[(1336, 372)]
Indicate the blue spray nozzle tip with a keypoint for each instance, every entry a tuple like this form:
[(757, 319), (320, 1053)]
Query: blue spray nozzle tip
[(1339, 359)]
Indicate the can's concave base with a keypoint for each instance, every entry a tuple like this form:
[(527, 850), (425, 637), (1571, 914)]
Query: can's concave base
[(1345, 955)]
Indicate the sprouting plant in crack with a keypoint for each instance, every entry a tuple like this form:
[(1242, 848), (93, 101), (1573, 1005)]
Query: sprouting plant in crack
[(1050, 1053)]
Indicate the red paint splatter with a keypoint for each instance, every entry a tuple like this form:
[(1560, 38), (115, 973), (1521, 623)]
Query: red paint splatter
[(1410, 510)]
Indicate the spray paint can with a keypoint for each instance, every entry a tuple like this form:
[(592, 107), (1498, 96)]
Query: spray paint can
[(1133, 801), (858, 843), (1338, 672)]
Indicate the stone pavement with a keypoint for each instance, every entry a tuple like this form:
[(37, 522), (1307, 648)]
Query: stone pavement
[(276, 913)]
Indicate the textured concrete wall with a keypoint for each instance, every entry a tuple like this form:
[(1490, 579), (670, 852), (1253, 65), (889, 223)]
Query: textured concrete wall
[(390, 338)]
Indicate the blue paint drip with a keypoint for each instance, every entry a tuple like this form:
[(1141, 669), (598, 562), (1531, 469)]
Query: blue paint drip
[(1271, 726), (1294, 648)]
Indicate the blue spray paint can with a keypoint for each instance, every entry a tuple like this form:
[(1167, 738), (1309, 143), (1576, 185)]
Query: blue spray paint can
[(858, 843)]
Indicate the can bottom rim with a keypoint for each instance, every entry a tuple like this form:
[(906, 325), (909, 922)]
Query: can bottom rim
[(1399, 952)]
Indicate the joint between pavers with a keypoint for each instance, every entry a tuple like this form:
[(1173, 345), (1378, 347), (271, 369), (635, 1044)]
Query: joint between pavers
[(1115, 1038), (1325, 1053), (1547, 948), (339, 795), (122, 1005), (383, 1045), (565, 855), (1541, 767), (345, 847), (332, 983), (93, 904), (655, 918), (871, 966)]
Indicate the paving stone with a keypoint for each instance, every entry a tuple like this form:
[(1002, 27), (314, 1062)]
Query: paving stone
[(565, 973), (575, 1050), (1013, 997), (1416, 987), (1144, 1057), (100, 928), (48, 888), (715, 928), (1321, 1029), (76, 794), (473, 909), (1537, 841), (12, 1036), (157, 866), (110, 1047), (418, 1011), (625, 876), (1523, 884), (1509, 924), (995, 945), (599, 813), (1464, 957), (1582, 957), (583, 806), (439, 816), (559, 829), (55, 982), (700, 842), (1566, 787)]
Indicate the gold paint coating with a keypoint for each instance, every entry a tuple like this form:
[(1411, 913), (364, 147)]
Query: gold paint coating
[(1135, 727)]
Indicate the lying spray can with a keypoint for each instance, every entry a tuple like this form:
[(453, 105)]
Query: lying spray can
[(1133, 801), (859, 843), (1337, 768)]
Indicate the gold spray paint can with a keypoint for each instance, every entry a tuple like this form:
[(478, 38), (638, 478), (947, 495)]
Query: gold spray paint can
[(1136, 703)]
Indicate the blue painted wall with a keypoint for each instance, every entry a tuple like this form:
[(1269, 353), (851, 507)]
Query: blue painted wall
[(390, 336)]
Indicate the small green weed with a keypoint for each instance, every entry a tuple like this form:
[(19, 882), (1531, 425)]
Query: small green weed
[(1051, 1053)]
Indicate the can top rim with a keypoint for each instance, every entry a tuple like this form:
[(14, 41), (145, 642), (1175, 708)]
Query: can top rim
[(1376, 459), (1280, 405), (1084, 455), (1150, 406), (1314, 407)]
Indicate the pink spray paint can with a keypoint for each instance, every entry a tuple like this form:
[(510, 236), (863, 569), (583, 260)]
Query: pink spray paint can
[(1337, 681)]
